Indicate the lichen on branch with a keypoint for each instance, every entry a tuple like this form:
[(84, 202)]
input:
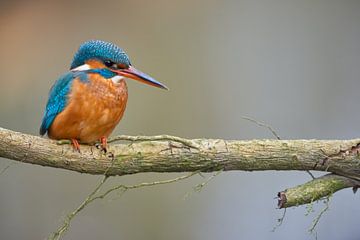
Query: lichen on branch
[(314, 190)]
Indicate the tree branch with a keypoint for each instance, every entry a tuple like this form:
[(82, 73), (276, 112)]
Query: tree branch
[(314, 190), (173, 154)]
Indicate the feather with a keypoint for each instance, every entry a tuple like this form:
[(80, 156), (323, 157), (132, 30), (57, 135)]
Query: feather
[(58, 98)]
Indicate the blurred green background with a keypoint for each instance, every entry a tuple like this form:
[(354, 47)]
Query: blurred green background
[(292, 64)]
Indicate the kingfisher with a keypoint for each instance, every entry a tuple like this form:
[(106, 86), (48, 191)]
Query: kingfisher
[(86, 103)]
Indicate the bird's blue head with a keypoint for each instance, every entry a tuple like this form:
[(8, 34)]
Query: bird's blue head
[(99, 50), (106, 56)]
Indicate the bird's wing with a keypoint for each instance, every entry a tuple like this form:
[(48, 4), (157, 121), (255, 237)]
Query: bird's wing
[(58, 98)]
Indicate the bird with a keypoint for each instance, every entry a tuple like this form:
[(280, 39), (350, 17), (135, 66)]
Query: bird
[(86, 103)]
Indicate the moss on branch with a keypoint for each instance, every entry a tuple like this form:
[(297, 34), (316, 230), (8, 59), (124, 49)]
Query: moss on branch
[(314, 190)]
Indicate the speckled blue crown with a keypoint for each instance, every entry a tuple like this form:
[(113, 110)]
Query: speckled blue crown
[(97, 49)]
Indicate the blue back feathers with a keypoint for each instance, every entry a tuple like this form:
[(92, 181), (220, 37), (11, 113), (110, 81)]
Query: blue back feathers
[(97, 49), (58, 97)]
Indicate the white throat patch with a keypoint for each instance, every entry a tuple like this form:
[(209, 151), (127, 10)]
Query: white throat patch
[(117, 79), (81, 68)]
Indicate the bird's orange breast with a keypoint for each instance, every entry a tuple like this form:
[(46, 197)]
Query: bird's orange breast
[(93, 110)]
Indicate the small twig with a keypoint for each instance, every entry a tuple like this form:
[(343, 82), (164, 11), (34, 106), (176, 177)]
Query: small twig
[(262, 124), (124, 188), (317, 219), (280, 221), (185, 142), (91, 197), (200, 186), (6, 167), (57, 235), (309, 208), (311, 175), (66, 224)]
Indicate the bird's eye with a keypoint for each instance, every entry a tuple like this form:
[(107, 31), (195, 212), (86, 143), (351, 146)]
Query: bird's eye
[(110, 64)]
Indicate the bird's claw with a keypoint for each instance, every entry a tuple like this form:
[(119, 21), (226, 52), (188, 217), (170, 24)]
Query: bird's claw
[(76, 145), (110, 155), (102, 145)]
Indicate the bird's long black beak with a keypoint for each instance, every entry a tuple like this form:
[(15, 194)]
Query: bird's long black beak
[(135, 74)]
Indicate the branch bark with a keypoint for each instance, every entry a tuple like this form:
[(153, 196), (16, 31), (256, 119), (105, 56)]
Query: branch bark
[(173, 154), (314, 190)]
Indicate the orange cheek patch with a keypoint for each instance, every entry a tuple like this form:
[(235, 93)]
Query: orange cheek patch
[(95, 64)]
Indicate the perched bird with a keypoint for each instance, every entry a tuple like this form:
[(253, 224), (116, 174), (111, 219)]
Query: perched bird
[(86, 103)]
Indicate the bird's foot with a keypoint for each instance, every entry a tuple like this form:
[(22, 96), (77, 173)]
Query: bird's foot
[(75, 145), (103, 144)]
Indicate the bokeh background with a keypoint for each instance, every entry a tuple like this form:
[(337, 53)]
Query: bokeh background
[(292, 64)]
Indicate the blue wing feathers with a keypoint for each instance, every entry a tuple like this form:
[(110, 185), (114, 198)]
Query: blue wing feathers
[(58, 98)]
